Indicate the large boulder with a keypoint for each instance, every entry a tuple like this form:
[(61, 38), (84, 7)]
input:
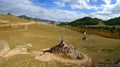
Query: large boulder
[(4, 47)]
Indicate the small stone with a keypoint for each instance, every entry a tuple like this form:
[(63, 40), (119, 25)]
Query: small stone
[(23, 50)]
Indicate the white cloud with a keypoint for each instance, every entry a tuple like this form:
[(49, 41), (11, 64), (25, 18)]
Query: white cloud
[(105, 15), (66, 15), (26, 7), (104, 11), (108, 10), (102, 15), (117, 1), (59, 4), (107, 1), (78, 4), (116, 9)]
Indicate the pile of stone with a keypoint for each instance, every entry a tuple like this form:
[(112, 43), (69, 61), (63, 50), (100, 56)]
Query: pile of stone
[(66, 50)]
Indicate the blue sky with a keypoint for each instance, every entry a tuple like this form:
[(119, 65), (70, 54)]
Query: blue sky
[(62, 10)]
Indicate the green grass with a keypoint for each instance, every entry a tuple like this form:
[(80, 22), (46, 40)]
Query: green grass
[(45, 36)]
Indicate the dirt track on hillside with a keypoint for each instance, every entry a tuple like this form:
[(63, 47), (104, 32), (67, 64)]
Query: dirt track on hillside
[(18, 24)]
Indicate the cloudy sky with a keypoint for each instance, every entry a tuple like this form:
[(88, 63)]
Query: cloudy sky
[(62, 10)]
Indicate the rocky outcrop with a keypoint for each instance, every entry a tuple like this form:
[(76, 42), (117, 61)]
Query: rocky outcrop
[(4, 47), (68, 51)]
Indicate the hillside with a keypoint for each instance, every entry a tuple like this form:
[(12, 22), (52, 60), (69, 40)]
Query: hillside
[(34, 19), (42, 36), (6, 19), (28, 43), (107, 28), (113, 21), (88, 21), (85, 21)]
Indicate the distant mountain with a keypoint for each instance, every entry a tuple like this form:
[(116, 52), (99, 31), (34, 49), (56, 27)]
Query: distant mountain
[(114, 21), (85, 21), (44, 20), (93, 21), (34, 19), (25, 17)]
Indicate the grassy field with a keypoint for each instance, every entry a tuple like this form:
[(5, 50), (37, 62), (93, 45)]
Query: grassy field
[(45, 36), (27, 61)]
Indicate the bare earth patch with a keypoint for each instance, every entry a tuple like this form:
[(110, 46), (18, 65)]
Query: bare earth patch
[(51, 57), (15, 51), (18, 50), (45, 56), (48, 57)]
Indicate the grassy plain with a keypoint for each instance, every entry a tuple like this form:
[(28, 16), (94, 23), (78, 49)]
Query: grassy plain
[(43, 36)]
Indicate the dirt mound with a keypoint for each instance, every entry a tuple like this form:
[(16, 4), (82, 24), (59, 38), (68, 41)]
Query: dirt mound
[(4, 47), (49, 57)]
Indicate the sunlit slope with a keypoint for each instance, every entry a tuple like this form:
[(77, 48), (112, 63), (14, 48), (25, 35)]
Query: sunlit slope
[(10, 19)]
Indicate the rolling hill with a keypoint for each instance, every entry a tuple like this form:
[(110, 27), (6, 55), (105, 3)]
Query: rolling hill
[(85, 21), (42, 36), (6, 19), (34, 19)]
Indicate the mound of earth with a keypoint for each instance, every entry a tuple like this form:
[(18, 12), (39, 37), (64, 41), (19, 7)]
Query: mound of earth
[(4, 47), (64, 50), (51, 57), (62, 53)]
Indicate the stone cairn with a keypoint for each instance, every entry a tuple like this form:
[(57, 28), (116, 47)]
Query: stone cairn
[(66, 50), (85, 35)]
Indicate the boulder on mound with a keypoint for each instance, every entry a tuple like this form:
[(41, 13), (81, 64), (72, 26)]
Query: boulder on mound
[(68, 51), (4, 47)]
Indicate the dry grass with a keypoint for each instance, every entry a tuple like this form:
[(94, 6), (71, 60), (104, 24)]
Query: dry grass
[(6, 19), (27, 61), (45, 36)]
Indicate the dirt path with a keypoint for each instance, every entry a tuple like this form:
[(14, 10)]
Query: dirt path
[(18, 24), (15, 52), (4, 21)]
